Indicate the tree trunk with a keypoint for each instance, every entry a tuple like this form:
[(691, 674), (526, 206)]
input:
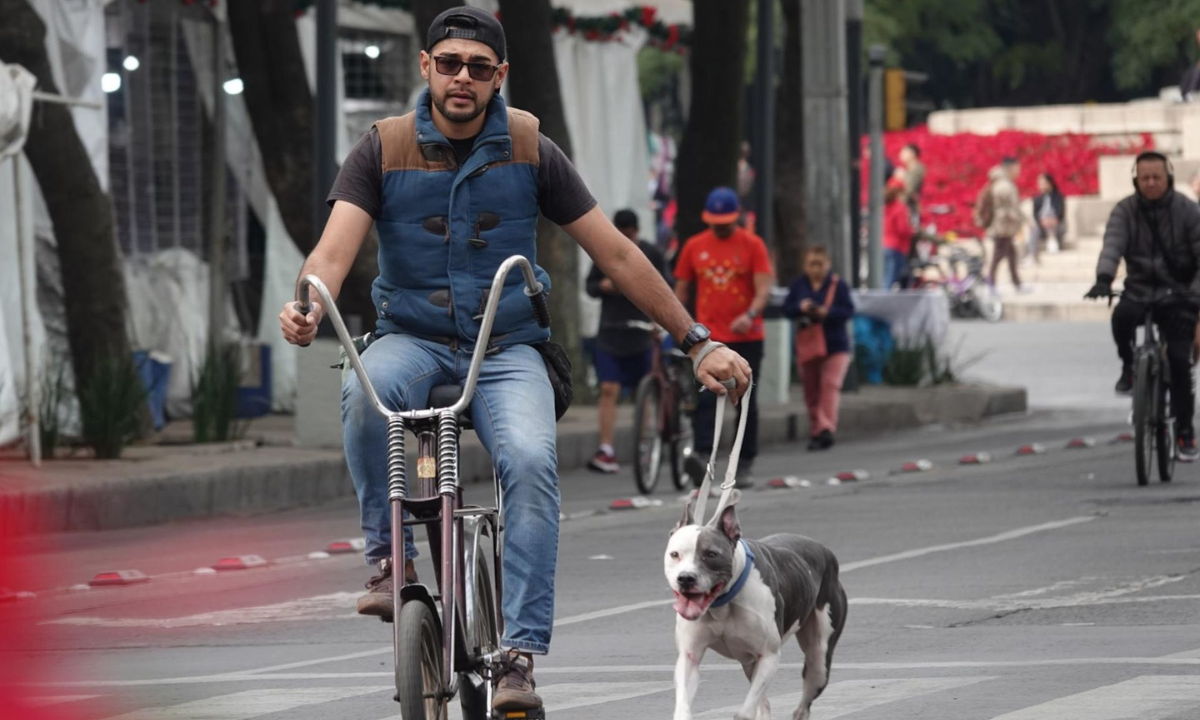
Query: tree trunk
[(533, 86), (81, 212), (789, 150), (281, 110), (708, 153), (424, 11)]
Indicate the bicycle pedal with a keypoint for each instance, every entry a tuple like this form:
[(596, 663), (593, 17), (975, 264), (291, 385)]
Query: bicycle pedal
[(538, 714)]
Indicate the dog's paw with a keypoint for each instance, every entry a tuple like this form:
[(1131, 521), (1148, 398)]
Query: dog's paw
[(800, 714)]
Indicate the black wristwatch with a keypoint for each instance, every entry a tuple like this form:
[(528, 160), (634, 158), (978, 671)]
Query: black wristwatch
[(697, 334)]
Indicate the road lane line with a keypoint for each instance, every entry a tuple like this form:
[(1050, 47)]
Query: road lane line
[(851, 696), (40, 702), (1009, 603), (250, 703), (317, 661), (1151, 697), (990, 540), (1185, 655), (644, 669)]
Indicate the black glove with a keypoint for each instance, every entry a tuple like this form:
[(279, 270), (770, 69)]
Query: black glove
[(1102, 288)]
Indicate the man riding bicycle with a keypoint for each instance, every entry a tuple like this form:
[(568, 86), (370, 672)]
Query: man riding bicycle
[(1157, 232), (454, 188)]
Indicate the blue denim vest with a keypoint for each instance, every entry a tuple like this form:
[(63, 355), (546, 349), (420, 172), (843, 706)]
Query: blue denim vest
[(444, 229)]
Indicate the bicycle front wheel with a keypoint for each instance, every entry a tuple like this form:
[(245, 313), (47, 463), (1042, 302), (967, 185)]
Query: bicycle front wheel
[(482, 639), (647, 428), (1165, 439), (419, 664), (682, 445), (1143, 417)]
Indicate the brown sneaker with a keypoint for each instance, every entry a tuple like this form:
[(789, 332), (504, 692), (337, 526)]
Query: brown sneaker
[(515, 690), (377, 601)]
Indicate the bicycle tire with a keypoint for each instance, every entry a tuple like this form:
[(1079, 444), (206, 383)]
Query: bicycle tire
[(482, 639), (1143, 417), (647, 435), (419, 667), (1165, 440), (682, 445)]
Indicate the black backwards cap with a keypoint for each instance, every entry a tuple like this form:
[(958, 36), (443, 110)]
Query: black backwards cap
[(467, 23)]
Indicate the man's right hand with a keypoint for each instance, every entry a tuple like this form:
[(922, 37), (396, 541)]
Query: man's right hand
[(1101, 289), (298, 328)]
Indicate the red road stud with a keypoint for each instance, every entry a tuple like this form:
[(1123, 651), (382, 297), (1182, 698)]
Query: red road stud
[(636, 503), (338, 547), (1081, 443), (1124, 437), (975, 459), (241, 562), (916, 466), (788, 482), (118, 577), (852, 475), (1034, 449)]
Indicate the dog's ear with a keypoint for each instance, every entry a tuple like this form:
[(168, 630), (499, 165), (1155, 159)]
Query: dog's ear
[(687, 518), (729, 522)]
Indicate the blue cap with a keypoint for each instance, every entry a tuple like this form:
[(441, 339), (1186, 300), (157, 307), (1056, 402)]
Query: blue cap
[(721, 207)]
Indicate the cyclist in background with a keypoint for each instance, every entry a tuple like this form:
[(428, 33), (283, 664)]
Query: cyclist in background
[(622, 355), (1156, 231)]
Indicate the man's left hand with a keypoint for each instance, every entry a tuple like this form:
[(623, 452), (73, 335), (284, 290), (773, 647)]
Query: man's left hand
[(741, 324), (723, 364)]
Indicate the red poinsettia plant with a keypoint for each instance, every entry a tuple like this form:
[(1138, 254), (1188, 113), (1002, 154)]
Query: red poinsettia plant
[(956, 166)]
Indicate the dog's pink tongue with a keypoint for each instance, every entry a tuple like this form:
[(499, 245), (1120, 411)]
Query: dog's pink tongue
[(689, 608)]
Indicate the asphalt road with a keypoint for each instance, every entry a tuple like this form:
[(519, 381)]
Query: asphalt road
[(1045, 587)]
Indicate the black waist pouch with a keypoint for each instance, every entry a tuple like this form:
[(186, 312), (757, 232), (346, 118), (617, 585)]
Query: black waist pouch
[(558, 369)]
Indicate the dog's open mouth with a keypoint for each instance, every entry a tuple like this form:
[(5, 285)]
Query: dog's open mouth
[(691, 605)]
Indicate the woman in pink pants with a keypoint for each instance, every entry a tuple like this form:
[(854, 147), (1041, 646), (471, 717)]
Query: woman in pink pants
[(821, 304)]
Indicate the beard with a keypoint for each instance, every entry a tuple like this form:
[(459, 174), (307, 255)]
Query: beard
[(460, 116)]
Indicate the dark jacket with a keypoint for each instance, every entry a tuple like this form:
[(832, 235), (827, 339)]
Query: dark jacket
[(1153, 270), (1057, 204), (837, 339), (615, 337)]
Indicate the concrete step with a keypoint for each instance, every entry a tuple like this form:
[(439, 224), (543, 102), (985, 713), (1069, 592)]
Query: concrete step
[(1052, 302)]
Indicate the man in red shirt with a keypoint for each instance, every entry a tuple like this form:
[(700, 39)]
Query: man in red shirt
[(733, 278)]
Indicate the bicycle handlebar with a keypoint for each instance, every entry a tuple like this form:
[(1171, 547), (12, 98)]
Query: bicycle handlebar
[(533, 289)]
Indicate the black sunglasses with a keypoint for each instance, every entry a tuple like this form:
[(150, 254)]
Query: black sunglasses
[(452, 66)]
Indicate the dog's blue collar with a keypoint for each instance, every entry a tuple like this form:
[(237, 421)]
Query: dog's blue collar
[(726, 597)]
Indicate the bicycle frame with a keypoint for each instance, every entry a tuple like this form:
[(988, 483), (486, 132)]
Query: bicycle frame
[(443, 475)]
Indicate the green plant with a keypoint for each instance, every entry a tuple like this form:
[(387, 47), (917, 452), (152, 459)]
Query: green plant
[(948, 369), (214, 396), (112, 404), (907, 365)]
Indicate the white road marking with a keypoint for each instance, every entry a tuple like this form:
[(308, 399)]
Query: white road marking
[(39, 702), (609, 612), (1109, 596), (318, 661), (321, 607), (250, 704), (1150, 697), (990, 540), (851, 696), (1185, 655), (255, 676)]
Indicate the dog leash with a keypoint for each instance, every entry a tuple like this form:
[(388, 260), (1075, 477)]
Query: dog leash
[(734, 455)]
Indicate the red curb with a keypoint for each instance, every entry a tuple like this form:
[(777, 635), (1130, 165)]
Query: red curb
[(1034, 449), (853, 475), (916, 466), (788, 483), (118, 577), (241, 562), (1081, 443), (636, 503), (1123, 438)]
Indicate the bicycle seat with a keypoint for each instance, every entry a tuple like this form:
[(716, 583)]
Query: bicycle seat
[(446, 395)]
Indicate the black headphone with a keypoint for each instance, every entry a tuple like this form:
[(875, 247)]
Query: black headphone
[(1154, 155)]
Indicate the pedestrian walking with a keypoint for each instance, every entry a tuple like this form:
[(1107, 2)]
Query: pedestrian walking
[(821, 305), (914, 179), (1189, 85), (622, 353), (1003, 204), (897, 234), (732, 275), (1049, 213)]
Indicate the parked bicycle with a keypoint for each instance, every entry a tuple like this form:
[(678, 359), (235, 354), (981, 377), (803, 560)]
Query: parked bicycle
[(456, 651), (663, 403), (959, 273)]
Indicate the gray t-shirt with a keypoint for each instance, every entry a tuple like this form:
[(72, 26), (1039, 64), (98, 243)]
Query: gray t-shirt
[(562, 196)]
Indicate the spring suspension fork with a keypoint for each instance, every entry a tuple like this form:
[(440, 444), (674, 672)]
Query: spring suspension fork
[(447, 454), (397, 474)]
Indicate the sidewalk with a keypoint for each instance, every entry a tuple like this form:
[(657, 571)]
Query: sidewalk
[(265, 472)]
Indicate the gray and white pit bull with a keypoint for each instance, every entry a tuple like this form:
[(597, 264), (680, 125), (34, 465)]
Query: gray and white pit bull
[(744, 599)]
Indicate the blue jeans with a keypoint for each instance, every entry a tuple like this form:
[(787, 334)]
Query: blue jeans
[(894, 265), (513, 414)]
